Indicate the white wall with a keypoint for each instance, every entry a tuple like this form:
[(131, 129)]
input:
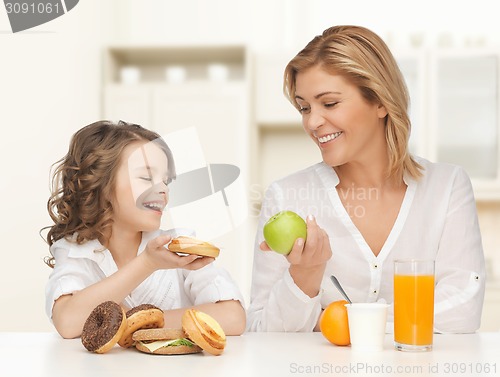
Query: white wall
[(50, 87)]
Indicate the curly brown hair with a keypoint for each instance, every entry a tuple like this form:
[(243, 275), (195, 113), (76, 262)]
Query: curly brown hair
[(84, 181)]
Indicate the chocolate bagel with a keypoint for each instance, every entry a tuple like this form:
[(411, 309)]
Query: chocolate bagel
[(103, 327)]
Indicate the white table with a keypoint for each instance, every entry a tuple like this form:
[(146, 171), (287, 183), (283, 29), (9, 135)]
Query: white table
[(252, 354)]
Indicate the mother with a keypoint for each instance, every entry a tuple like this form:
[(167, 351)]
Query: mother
[(369, 201)]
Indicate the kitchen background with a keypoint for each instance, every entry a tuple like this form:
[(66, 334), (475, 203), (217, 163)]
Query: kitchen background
[(211, 71)]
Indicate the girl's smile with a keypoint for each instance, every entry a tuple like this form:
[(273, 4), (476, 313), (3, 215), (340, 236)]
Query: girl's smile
[(155, 206)]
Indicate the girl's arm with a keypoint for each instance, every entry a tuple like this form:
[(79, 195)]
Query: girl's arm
[(70, 311), (230, 315)]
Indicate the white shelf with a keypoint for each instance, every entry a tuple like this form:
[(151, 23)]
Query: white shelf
[(152, 61)]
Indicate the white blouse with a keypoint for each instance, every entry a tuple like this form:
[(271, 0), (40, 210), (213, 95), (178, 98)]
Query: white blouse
[(437, 220), (79, 266)]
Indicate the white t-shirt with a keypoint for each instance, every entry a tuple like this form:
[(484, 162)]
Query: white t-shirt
[(79, 266), (437, 220)]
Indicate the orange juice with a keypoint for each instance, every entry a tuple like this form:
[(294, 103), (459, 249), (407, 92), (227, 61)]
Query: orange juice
[(413, 309)]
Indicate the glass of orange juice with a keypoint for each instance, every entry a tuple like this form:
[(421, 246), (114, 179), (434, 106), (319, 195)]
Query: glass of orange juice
[(413, 304)]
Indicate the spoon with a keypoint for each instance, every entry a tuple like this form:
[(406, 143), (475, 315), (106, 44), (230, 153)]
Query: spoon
[(339, 287)]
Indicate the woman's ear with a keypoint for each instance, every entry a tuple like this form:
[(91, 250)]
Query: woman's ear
[(381, 111)]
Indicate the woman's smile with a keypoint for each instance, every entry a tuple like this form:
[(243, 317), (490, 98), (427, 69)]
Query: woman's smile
[(326, 139)]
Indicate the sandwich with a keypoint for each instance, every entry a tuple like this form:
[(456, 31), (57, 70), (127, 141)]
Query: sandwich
[(189, 245), (164, 341), (200, 332)]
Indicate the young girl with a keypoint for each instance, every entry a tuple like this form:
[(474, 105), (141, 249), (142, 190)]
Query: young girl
[(370, 202), (109, 192)]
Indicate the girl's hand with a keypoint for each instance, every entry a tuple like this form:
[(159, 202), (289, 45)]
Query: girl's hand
[(158, 257)]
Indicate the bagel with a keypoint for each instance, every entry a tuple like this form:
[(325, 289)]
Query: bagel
[(145, 316), (190, 245), (204, 330), (104, 327)]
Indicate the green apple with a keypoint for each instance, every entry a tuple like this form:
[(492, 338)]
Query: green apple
[(282, 229)]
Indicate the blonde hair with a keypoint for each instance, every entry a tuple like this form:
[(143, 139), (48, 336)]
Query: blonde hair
[(83, 182), (362, 57)]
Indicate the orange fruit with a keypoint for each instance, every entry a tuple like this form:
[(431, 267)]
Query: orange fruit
[(334, 325)]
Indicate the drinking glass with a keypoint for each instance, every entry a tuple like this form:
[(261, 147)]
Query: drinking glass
[(413, 304)]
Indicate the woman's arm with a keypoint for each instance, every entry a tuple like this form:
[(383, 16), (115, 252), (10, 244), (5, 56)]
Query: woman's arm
[(286, 292), (460, 270)]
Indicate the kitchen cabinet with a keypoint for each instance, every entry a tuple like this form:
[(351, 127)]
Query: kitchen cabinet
[(279, 133), (455, 111), (465, 112), (271, 105), (219, 113), (414, 68), (170, 88), (130, 103), (180, 87)]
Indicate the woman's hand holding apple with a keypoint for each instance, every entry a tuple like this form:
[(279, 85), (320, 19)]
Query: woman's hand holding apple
[(307, 258), (313, 252)]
